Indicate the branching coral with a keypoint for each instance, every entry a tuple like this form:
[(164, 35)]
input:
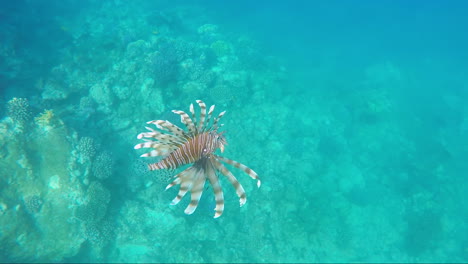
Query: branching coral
[(19, 110), (99, 233), (86, 149), (98, 198), (164, 67), (33, 204), (103, 166)]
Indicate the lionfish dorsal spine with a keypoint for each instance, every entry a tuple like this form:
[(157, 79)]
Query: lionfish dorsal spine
[(216, 120), (210, 113), (187, 121), (192, 111), (201, 123)]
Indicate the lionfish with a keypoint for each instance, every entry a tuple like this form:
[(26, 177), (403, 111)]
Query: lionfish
[(196, 146)]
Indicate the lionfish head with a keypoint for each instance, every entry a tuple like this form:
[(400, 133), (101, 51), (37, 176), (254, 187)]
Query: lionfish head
[(220, 140)]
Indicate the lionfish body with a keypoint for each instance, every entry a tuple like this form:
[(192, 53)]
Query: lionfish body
[(196, 146)]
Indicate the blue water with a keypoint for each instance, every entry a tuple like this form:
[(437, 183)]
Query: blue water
[(352, 113)]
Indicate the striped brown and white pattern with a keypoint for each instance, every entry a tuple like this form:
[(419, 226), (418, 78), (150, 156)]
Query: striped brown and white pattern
[(196, 146)]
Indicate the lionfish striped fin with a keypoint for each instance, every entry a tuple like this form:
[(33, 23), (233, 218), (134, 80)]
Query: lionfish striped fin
[(194, 117), (168, 139), (156, 153), (149, 144), (174, 182), (162, 137), (196, 191), (216, 120), (168, 126), (218, 191), (186, 120), (148, 135), (202, 115), (232, 179), (184, 179), (242, 167), (210, 112), (159, 149)]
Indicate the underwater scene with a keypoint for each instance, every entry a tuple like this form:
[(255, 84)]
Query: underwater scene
[(169, 131)]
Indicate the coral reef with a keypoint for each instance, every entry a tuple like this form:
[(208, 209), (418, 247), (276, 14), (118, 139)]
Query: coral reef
[(19, 110), (33, 203), (86, 149), (99, 233), (103, 166), (221, 48), (362, 155), (36, 192), (95, 205)]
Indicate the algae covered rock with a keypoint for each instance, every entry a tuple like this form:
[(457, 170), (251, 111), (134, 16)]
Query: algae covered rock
[(37, 195)]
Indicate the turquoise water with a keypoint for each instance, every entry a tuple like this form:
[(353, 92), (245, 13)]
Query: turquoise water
[(352, 113)]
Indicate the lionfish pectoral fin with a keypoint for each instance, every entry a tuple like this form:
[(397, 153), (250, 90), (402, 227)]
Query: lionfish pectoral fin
[(217, 190), (184, 188), (173, 183), (234, 182), (242, 167), (196, 191), (183, 178)]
